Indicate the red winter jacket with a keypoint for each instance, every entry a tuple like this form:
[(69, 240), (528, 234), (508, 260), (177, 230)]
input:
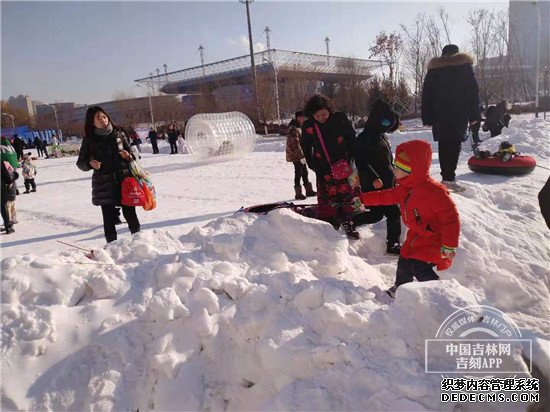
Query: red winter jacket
[(426, 208)]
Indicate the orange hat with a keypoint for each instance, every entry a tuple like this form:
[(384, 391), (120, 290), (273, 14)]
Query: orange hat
[(403, 162)]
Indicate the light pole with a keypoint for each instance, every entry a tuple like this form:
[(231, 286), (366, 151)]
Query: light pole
[(253, 66), (274, 65), (150, 106), (537, 81), (12, 117), (55, 114)]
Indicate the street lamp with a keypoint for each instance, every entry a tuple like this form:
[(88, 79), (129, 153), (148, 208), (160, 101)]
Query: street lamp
[(253, 66), (12, 117), (55, 114), (536, 4), (150, 105)]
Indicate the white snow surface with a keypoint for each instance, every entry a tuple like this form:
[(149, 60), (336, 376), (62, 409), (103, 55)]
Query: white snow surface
[(207, 309)]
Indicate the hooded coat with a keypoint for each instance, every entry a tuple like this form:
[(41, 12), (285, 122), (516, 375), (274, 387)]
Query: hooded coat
[(373, 156), (107, 180), (450, 94), (426, 208)]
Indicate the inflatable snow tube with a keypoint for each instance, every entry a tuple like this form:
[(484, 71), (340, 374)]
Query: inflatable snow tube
[(518, 165)]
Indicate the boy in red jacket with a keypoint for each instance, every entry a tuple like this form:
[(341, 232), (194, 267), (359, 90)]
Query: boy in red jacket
[(426, 209)]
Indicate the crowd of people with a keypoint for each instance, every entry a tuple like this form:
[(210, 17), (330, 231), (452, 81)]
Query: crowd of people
[(392, 188), (323, 140), (175, 137), (11, 159)]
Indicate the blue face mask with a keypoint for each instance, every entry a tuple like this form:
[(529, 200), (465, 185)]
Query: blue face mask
[(386, 122)]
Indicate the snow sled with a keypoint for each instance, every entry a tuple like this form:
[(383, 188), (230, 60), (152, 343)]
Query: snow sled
[(306, 210), (517, 165)]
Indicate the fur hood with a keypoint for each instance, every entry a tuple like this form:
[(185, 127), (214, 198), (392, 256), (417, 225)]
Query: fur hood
[(446, 61)]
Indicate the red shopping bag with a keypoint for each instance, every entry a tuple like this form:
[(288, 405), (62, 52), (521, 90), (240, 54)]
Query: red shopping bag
[(132, 193)]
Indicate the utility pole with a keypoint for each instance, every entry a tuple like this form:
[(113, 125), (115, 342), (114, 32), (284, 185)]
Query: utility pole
[(150, 105), (201, 52), (165, 70), (55, 114), (158, 78), (274, 65), (327, 42), (537, 74), (253, 66), (152, 84), (267, 30)]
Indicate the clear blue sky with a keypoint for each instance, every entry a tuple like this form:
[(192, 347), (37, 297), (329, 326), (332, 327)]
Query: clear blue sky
[(86, 51)]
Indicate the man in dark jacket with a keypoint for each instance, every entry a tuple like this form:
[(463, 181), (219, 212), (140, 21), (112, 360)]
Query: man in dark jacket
[(450, 100), (38, 145), (374, 161), (496, 118), (172, 139), (153, 138), (18, 146)]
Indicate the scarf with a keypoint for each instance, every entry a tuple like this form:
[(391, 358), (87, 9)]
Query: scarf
[(104, 132)]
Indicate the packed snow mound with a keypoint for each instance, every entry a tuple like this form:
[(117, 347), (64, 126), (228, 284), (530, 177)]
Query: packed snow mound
[(262, 312), (269, 312)]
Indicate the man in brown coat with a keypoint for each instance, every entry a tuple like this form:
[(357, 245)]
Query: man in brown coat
[(295, 155)]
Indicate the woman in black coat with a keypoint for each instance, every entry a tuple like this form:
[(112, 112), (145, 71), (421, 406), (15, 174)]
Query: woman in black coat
[(334, 197), (374, 161), (106, 150)]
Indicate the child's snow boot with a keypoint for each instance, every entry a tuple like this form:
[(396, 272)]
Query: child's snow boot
[(299, 195), (309, 190), (350, 230)]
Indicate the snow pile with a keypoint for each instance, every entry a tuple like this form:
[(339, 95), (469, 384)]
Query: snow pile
[(249, 312)]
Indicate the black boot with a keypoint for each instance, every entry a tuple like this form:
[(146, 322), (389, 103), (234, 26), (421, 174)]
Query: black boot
[(309, 190), (350, 230), (299, 195)]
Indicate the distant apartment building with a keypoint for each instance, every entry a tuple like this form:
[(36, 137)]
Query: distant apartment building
[(23, 103), (513, 76), (529, 24), (63, 109), (523, 23)]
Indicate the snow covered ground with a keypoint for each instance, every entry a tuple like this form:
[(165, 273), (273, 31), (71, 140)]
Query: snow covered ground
[(207, 309)]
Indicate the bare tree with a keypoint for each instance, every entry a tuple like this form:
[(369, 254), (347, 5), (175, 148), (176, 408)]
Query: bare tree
[(350, 94), (481, 23), (433, 34), (445, 23), (387, 47), (416, 53)]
